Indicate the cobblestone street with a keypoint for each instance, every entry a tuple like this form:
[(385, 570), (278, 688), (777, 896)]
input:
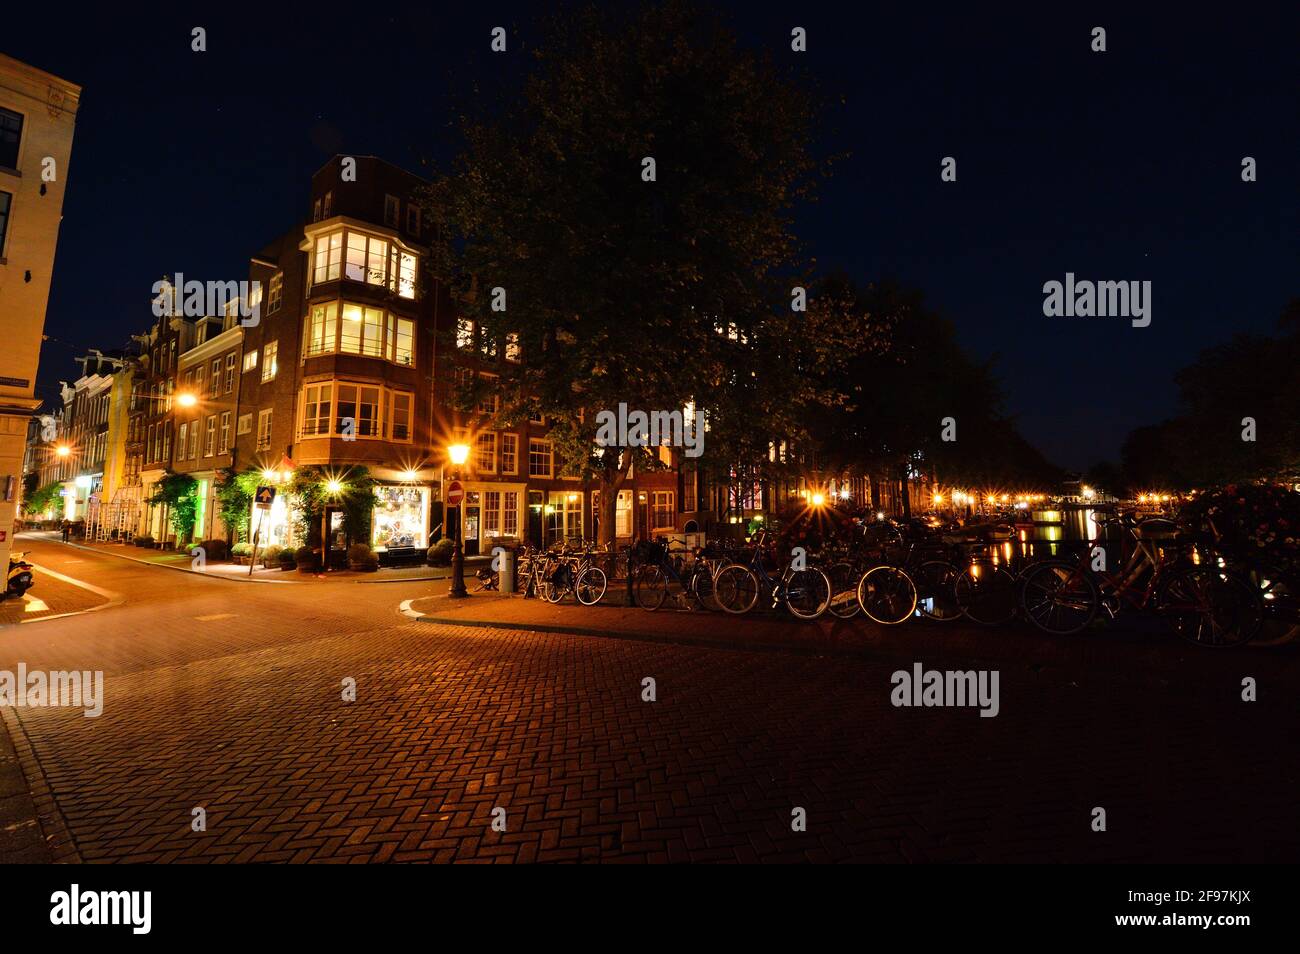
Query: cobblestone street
[(228, 696)]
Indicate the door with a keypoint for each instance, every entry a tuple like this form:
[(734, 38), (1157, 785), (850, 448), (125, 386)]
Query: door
[(472, 512), (535, 517), (336, 540)]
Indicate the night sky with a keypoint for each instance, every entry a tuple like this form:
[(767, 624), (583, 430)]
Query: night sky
[(1122, 165)]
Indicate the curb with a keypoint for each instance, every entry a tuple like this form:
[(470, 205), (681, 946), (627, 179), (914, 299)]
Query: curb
[(642, 636), (54, 830), (168, 566)]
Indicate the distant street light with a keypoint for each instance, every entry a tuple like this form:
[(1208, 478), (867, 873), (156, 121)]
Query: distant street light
[(186, 399)]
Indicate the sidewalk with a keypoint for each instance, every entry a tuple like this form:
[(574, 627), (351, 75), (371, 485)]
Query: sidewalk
[(181, 560), (1133, 653)]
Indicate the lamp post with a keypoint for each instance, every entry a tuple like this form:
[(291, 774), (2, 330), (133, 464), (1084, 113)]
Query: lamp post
[(458, 453)]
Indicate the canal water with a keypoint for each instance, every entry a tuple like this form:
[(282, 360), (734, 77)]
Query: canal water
[(1059, 531)]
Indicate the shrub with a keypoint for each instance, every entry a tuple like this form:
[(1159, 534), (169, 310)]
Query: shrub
[(241, 549), (361, 557), (307, 559), (271, 556), (440, 552), (144, 541), (287, 562)]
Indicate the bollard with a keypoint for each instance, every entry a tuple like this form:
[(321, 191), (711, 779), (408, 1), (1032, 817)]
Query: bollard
[(507, 574)]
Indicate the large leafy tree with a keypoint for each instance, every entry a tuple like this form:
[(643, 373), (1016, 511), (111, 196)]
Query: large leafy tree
[(625, 287)]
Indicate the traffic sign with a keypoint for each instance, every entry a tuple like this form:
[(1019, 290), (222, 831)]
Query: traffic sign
[(264, 497), (455, 494)]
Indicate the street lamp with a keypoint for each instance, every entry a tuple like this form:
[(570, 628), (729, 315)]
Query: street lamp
[(458, 453), (63, 450), (186, 399)]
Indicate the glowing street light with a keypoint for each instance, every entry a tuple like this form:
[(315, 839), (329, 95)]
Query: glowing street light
[(63, 450), (818, 500), (458, 454), (334, 486), (186, 399)]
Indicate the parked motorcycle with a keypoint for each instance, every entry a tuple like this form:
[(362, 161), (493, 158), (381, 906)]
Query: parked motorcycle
[(20, 579)]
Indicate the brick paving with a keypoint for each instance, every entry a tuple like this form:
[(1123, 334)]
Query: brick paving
[(229, 698)]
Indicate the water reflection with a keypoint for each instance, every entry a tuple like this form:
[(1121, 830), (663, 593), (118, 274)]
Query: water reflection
[(1055, 532)]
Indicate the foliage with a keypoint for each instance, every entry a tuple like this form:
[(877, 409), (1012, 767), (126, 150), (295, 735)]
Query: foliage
[(38, 501), (309, 488), (605, 272), (1251, 376), (440, 552), (179, 493), (1255, 523), (241, 549), (307, 559), (270, 556), (234, 491)]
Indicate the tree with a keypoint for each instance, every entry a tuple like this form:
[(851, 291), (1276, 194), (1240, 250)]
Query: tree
[(628, 218), (180, 494), (38, 501)]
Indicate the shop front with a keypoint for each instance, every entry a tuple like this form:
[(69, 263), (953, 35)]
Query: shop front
[(400, 521), (272, 527)]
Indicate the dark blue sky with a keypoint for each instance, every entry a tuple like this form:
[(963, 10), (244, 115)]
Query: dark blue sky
[(1116, 166)]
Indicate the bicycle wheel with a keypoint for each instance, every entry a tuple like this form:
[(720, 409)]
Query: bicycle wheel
[(651, 588), (986, 593), (887, 595), (844, 590), (1209, 607), (590, 588), (936, 590), (702, 588), (1058, 597), (736, 589), (807, 593)]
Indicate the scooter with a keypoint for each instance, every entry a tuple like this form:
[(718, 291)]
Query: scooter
[(20, 579)]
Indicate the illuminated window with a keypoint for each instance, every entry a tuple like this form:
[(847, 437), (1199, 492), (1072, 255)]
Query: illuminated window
[(509, 453), (329, 258), (464, 333), (180, 443), (361, 331), (400, 425), (264, 429), (214, 382), (269, 364), (316, 409), (210, 437), (485, 457), (661, 510), (276, 294), (513, 353), (194, 440), (223, 444), (539, 458), (360, 403), (401, 340), (250, 360), (230, 372), (322, 329)]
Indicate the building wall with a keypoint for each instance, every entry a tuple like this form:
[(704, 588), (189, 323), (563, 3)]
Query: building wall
[(48, 106)]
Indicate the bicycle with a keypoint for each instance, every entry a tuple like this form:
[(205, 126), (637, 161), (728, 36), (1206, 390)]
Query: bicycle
[(574, 572), (658, 577), (805, 592), (1204, 604)]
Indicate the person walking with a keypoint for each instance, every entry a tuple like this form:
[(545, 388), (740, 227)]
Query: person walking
[(67, 527)]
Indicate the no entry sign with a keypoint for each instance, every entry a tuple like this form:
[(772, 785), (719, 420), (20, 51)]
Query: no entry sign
[(455, 494)]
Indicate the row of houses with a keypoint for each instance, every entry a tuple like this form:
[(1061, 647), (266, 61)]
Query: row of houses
[(337, 358)]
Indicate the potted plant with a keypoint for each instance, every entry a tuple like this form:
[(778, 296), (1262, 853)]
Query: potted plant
[(362, 558), (308, 560), (440, 552), (287, 561), (241, 552), (270, 556)]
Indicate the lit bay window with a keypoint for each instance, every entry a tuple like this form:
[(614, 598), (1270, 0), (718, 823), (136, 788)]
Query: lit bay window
[(329, 258), (316, 410), (360, 404), (355, 410), (363, 330)]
